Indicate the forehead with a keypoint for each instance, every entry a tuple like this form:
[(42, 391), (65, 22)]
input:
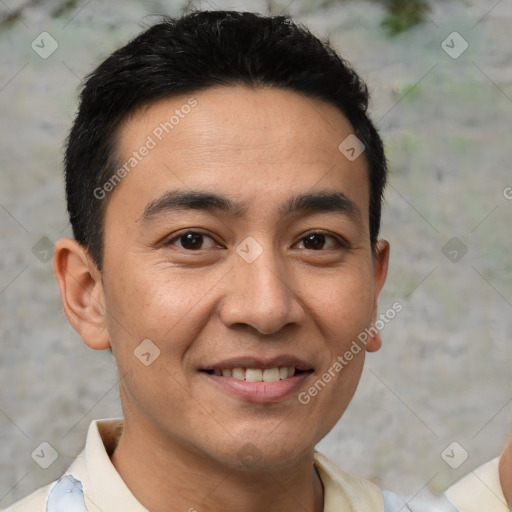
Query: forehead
[(258, 146)]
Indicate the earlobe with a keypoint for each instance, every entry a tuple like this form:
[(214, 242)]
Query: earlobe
[(374, 343), (81, 292), (380, 270)]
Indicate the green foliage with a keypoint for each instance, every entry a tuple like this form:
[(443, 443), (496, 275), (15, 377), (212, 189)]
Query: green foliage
[(61, 8), (64, 7), (404, 14), (401, 15)]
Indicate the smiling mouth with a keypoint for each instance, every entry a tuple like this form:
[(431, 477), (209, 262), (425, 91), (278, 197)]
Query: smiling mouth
[(274, 374)]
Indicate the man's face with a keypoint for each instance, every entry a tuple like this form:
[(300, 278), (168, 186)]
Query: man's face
[(270, 283)]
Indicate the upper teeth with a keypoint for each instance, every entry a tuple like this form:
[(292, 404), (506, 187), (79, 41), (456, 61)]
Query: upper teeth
[(258, 375)]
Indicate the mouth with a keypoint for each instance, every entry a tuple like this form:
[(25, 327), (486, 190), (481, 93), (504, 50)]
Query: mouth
[(255, 380), (273, 374)]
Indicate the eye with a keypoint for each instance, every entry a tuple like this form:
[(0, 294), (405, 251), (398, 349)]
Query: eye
[(317, 241), (192, 241)]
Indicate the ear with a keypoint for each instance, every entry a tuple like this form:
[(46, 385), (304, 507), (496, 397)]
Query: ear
[(380, 271), (81, 291)]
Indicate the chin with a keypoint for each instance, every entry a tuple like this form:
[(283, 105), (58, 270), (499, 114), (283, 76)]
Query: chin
[(253, 454)]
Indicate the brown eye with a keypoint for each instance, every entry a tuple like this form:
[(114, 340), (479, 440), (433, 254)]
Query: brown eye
[(318, 241), (314, 242), (192, 241)]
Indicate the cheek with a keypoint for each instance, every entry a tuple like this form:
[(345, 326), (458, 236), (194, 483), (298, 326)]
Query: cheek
[(327, 397), (165, 306), (344, 303), (146, 298)]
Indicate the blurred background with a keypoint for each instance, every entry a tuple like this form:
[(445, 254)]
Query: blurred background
[(440, 76)]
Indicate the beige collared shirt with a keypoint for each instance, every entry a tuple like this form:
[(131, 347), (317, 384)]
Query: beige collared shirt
[(93, 482), (479, 491)]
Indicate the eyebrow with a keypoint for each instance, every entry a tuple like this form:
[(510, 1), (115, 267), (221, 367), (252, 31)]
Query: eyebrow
[(309, 202)]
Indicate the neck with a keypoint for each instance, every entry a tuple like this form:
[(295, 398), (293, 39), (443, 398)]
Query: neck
[(166, 476)]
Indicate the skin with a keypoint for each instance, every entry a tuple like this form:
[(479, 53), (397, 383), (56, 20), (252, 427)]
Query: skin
[(182, 434), (505, 469)]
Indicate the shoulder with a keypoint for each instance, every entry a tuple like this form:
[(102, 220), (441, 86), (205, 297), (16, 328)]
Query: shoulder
[(479, 490), (67, 493), (35, 502), (63, 495)]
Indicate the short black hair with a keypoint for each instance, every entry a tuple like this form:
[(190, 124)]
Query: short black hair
[(199, 50)]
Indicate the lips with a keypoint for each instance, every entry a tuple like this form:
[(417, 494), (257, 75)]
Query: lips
[(259, 380)]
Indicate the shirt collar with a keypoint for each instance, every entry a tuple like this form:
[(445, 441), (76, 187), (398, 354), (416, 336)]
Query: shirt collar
[(479, 490), (104, 489)]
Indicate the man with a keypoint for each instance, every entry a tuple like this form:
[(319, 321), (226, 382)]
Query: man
[(224, 185), (488, 487)]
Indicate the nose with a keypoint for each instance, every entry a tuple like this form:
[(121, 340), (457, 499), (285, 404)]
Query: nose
[(261, 294)]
